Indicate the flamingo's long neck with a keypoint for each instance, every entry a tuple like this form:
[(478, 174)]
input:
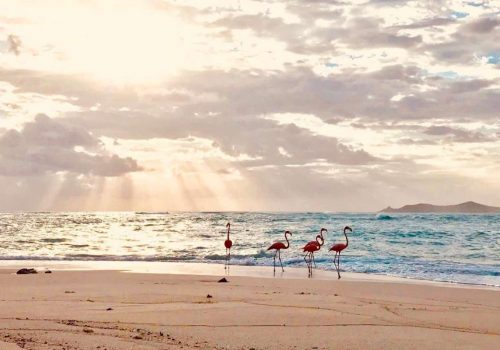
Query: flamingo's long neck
[(322, 238), (287, 241), (318, 237), (346, 239), (228, 228)]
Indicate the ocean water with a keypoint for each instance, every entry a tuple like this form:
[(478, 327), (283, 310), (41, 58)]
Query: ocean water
[(439, 247)]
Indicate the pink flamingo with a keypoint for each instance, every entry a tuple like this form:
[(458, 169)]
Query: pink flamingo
[(277, 247), (312, 247), (228, 244), (338, 248)]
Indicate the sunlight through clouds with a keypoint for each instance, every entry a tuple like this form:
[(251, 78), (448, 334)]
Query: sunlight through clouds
[(246, 105)]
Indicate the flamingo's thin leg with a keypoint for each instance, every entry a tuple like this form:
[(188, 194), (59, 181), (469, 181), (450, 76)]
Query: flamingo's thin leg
[(335, 262), (307, 262), (281, 263), (311, 260), (274, 261), (338, 262)]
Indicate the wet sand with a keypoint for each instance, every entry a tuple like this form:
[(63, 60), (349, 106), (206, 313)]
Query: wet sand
[(100, 309)]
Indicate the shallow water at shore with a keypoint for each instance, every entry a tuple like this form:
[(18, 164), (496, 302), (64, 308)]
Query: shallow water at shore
[(442, 247)]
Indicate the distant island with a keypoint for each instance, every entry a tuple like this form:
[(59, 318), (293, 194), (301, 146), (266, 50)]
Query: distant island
[(467, 207)]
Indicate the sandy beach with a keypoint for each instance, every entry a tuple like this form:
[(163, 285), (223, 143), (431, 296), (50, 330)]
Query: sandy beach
[(109, 309)]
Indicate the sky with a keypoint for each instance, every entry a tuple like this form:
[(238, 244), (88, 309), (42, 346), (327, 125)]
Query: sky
[(298, 105)]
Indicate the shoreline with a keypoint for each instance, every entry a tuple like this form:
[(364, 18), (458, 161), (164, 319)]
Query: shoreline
[(213, 269)]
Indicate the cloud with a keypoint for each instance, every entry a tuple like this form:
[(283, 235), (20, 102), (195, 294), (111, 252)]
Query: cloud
[(49, 146), (305, 37), (459, 135), (367, 32), (482, 25), (469, 86), (245, 136), (410, 141), (14, 44), (472, 40)]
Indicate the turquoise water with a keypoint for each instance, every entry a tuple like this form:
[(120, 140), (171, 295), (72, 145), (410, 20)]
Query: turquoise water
[(440, 247)]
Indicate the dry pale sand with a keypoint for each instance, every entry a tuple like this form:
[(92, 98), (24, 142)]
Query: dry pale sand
[(115, 310)]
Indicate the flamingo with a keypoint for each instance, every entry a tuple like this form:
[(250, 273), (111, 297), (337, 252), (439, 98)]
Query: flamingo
[(340, 247), (316, 242), (277, 247), (312, 247), (228, 244)]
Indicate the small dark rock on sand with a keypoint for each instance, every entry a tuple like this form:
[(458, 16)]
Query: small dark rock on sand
[(222, 280), (48, 271), (26, 271), (209, 296)]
